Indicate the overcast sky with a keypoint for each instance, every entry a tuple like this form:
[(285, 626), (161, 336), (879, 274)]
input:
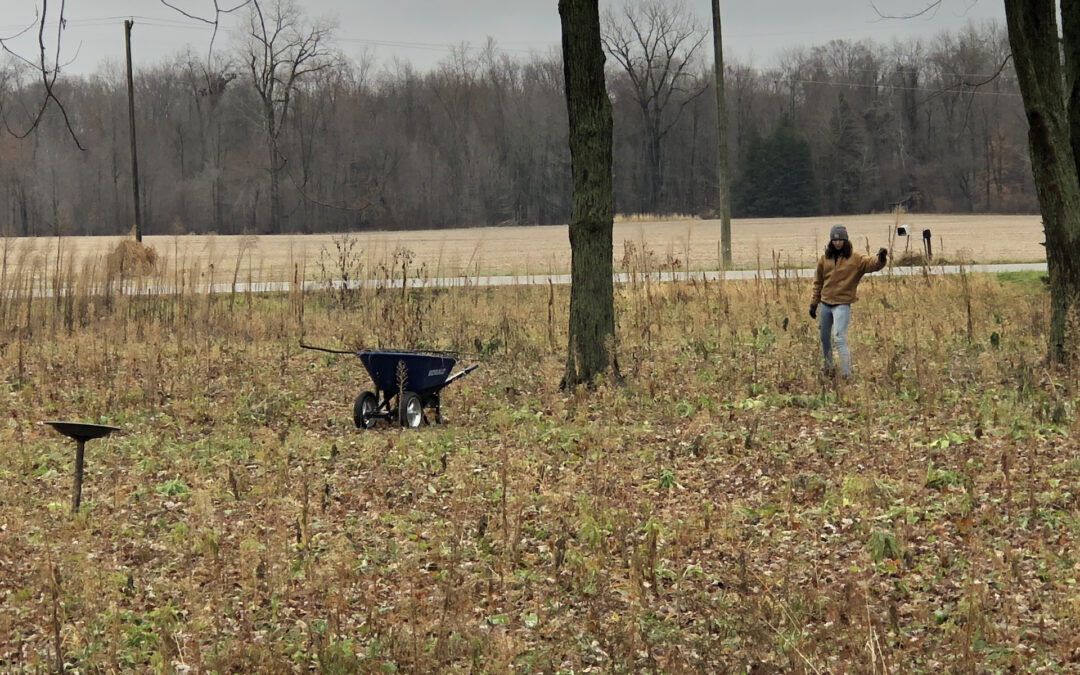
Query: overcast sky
[(423, 31)]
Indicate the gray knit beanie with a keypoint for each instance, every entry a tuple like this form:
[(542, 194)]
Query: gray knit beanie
[(838, 232)]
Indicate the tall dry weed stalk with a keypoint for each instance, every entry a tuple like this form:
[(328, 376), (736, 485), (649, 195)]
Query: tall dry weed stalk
[(342, 269)]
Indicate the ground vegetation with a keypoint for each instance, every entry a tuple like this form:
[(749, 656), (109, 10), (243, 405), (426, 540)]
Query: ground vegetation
[(725, 509)]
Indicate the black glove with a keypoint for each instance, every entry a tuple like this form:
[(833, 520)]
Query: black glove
[(882, 254), (813, 310)]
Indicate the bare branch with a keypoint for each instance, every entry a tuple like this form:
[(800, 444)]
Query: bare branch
[(48, 74), (218, 11), (19, 33), (215, 22)]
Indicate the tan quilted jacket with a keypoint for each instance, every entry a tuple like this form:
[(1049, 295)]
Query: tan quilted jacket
[(836, 279)]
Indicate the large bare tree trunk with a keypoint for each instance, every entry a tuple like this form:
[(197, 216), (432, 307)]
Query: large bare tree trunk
[(1033, 36), (591, 348)]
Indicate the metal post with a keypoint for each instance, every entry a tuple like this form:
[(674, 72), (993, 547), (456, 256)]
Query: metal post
[(76, 491)]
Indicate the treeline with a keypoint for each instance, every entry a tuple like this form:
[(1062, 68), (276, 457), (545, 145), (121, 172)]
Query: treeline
[(481, 140)]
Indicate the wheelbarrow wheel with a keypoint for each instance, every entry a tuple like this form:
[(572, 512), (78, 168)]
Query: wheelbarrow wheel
[(363, 411), (411, 411)]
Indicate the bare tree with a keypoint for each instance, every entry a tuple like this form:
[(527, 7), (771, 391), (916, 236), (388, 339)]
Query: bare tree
[(47, 59), (591, 350), (47, 64), (654, 43), (483, 139), (1047, 63), (280, 51), (1049, 79)]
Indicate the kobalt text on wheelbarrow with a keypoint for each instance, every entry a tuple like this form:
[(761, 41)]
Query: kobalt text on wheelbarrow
[(406, 383)]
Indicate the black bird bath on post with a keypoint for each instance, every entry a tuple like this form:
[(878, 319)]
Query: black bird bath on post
[(81, 432)]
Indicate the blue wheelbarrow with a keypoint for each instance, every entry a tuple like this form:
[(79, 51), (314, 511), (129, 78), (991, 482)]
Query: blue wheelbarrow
[(406, 383)]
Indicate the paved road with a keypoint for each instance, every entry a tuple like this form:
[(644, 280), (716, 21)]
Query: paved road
[(545, 279), (563, 279)]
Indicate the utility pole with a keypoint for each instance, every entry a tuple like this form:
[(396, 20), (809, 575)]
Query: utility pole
[(131, 127), (721, 140)]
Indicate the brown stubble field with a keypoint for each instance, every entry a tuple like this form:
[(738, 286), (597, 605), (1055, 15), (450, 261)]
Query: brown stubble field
[(756, 243), (721, 508)]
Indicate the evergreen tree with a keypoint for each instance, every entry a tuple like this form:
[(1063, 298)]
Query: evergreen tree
[(779, 177)]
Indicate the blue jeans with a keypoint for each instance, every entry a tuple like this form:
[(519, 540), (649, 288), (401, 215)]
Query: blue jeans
[(833, 323)]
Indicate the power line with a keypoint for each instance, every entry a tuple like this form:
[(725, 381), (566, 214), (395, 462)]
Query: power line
[(187, 24)]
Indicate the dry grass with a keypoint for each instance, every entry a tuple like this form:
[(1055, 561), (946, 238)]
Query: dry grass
[(724, 511), (546, 250), (130, 259)]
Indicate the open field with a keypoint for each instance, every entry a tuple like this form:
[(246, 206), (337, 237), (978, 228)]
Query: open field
[(724, 509), (796, 242)]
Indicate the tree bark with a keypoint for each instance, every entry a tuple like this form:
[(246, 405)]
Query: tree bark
[(1033, 36), (1070, 30), (591, 347)]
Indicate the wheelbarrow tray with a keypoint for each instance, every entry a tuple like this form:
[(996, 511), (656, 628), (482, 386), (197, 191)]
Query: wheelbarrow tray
[(393, 371)]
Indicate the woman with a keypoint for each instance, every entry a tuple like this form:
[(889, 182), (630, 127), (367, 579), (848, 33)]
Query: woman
[(835, 281)]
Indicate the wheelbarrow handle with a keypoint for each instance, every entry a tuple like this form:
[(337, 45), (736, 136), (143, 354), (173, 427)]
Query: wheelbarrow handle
[(461, 373), (327, 349)]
